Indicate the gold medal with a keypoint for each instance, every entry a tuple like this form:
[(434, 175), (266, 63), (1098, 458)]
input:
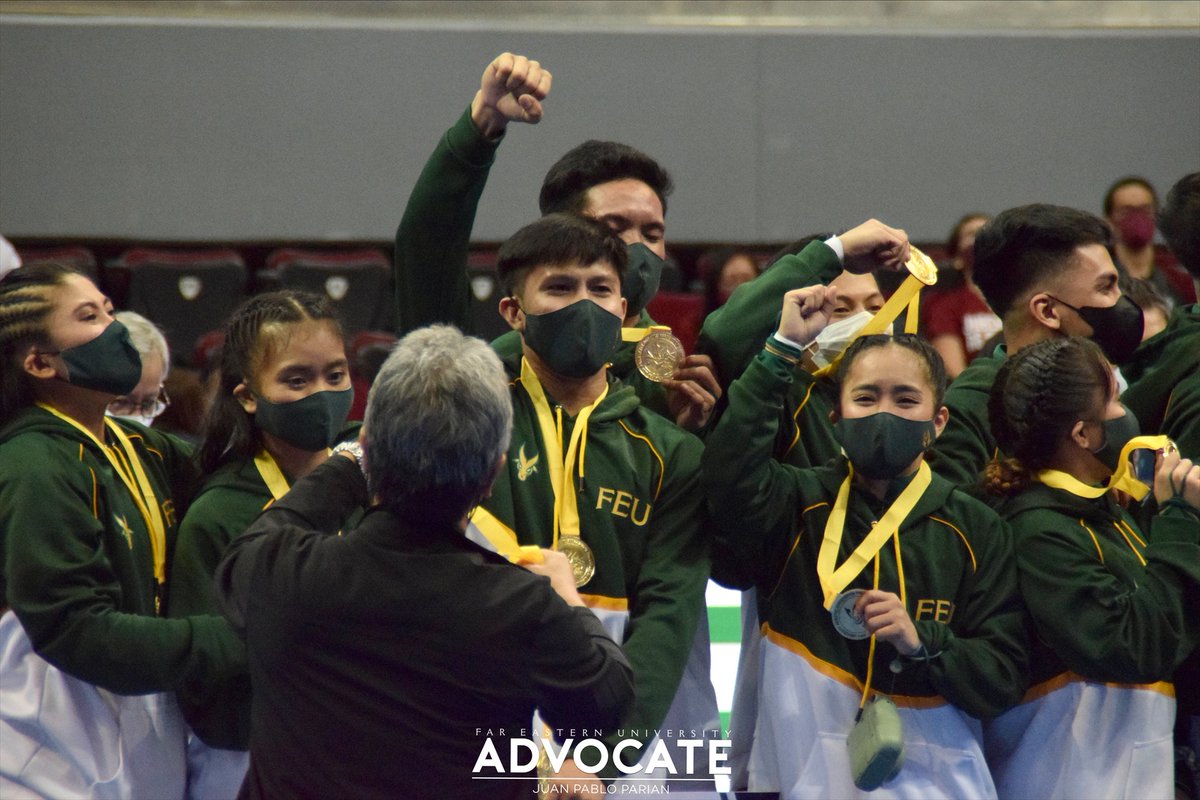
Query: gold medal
[(658, 355), (583, 563), (921, 266)]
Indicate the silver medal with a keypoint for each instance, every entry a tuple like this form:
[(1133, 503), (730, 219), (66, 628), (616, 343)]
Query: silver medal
[(845, 621)]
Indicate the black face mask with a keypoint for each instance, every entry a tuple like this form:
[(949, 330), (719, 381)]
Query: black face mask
[(109, 363), (1117, 433), (1116, 328), (881, 445), (575, 341), (642, 275), (310, 423)]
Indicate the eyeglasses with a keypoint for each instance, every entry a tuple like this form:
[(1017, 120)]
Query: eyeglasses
[(125, 407)]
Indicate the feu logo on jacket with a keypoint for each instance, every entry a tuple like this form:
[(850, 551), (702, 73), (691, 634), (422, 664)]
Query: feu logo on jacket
[(526, 466)]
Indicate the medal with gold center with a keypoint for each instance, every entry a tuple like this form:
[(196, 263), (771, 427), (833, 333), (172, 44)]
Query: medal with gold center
[(583, 563), (921, 266), (658, 355)]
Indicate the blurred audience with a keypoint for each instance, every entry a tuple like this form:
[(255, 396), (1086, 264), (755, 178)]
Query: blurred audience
[(1130, 206), (958, 320)]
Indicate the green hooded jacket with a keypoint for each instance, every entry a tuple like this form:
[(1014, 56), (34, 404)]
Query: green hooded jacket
[(78, 565), (640, 512)]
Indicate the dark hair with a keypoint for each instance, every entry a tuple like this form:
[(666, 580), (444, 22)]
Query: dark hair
[(1128, 180), (257, 325), (1021, 248), (592, 163), (25, 310), (558, 239), (1038, 396), (712, 264), (956, 231), (1145, 295), (935, 368), (1179, 221)]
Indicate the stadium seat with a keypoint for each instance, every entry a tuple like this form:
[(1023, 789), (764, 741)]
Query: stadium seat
[(76, 256), (186, 293), (359, 282), (486, 322)]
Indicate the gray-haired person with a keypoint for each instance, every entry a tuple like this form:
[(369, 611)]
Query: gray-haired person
[(384, 660), (148, 399)]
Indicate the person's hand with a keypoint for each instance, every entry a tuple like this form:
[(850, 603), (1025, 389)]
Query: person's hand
[(873, 245), (1177, 477), (512, 90), (557, 568), (806, 312), (692, 392), (578, 785), (885, 616)]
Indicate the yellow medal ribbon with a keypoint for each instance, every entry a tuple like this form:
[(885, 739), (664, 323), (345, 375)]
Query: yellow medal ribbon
[(504, 539), (566, 512), (923, 272), (271, 474), (1123, 479), (637, 334), (133, 475), (907, 296), (833, 581)]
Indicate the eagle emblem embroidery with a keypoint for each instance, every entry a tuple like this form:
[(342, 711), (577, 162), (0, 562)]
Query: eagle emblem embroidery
[(525, 466), (126, 531)]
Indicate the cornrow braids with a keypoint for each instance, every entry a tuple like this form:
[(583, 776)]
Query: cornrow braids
[(261, 323), (1038, 396), (26, 304)]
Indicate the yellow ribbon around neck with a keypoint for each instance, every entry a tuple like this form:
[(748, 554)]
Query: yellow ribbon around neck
[(834, 580), (907, 296), (271, 474), (504, 539), (1123, 479), (637, 334), (562, 467), (129, 469)]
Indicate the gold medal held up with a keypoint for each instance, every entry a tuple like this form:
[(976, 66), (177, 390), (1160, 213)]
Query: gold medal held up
[(658, 354), (921, 266), (583, 562)]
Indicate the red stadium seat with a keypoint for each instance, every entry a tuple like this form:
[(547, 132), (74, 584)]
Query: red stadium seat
[(186, 293), (76, 256), (682, 311), (358, 282)]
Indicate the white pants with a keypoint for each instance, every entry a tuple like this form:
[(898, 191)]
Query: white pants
[(64, 738)]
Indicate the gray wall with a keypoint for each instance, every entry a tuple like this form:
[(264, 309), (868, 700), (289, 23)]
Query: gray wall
[(155, 130)]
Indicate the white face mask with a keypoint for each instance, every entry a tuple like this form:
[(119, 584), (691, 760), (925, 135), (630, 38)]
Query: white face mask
[(831, 342), (147, 421)]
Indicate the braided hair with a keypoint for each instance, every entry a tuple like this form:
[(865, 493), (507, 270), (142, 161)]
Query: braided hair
[(258, 326), (26, 305), (1038, 396)]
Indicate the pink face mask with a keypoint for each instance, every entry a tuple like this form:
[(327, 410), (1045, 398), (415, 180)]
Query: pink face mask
[(1136, 228)]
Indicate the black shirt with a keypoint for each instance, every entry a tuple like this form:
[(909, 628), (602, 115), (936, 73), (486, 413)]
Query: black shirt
[(381, 659)]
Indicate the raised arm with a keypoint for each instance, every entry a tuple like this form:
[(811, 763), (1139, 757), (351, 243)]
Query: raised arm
[(734, 332), (751, 496), (434, 235)]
